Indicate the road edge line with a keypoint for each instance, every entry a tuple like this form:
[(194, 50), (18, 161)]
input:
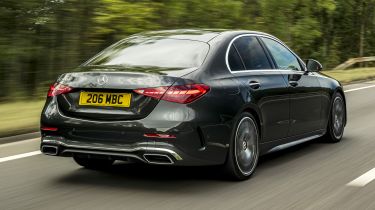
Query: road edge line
[(19, 156), (361, 88)]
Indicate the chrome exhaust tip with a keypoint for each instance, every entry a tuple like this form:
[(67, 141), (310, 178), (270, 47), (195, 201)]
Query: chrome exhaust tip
[(50, 150), (158, 159)]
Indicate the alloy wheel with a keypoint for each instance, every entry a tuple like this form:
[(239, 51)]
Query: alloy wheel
[(246, 146), (338, 117)]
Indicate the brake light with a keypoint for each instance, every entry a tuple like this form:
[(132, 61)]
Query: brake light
[(179, 93), (57, 89)]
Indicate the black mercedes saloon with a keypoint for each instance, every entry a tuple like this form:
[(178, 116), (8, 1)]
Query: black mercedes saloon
[(189, 98)]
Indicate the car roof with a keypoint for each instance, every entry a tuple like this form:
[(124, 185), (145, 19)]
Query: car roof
[(203, 35)]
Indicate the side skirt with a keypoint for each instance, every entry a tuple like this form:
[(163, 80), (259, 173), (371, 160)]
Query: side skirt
[(273, 146)]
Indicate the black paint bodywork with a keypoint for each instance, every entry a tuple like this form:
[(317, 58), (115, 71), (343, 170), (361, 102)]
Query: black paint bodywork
[(204, 128)]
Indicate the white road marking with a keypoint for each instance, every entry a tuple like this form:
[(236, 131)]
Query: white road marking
[(15, 157), (361, 88), (18, 142), (363, 179)]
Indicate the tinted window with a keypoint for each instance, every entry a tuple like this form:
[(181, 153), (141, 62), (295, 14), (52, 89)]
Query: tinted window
[(283, 57), (153, 51), (252, 53), (234, 60)]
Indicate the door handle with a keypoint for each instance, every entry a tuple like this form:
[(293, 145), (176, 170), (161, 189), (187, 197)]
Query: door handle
[(254, 84), (293, 83)]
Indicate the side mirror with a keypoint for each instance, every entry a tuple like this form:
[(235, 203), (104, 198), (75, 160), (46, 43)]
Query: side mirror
[(313, 65)]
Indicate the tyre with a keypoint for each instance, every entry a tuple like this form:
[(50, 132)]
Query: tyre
[(336, 121), (244, 150), (92, 163)]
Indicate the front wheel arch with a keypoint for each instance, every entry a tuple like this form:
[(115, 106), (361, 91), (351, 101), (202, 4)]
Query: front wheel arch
[(329, 136), (341, 92)]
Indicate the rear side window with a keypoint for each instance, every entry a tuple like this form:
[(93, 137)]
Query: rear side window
[(252, 53), (283, 57), (234, 60)]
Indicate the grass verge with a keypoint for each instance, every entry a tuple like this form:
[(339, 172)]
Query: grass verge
[(19, 117), (352, 75)]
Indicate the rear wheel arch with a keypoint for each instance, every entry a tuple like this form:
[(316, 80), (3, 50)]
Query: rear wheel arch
[(256, 114), (257, 117)]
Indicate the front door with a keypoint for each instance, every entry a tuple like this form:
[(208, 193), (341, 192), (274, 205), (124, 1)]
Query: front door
[(305, 98)]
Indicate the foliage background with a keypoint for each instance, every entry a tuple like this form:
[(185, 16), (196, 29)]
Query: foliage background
[(40, 39)]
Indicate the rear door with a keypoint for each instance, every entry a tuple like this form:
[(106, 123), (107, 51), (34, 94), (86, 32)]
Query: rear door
[(262, 85), (304, 89)]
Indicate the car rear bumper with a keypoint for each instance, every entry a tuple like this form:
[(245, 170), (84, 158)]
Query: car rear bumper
[(196, 142), (165, 154), (141, 151)]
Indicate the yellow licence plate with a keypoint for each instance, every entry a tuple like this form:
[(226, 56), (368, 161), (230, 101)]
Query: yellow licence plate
[(105, 99)]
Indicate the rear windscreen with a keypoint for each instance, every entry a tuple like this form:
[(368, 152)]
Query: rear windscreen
[(158, 52)]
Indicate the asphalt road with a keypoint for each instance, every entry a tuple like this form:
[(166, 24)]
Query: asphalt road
[(309, 176)]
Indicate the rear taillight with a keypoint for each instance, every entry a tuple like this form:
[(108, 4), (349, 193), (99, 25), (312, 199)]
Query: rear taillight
[(157, 92), (57, 89), (180, 93)]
